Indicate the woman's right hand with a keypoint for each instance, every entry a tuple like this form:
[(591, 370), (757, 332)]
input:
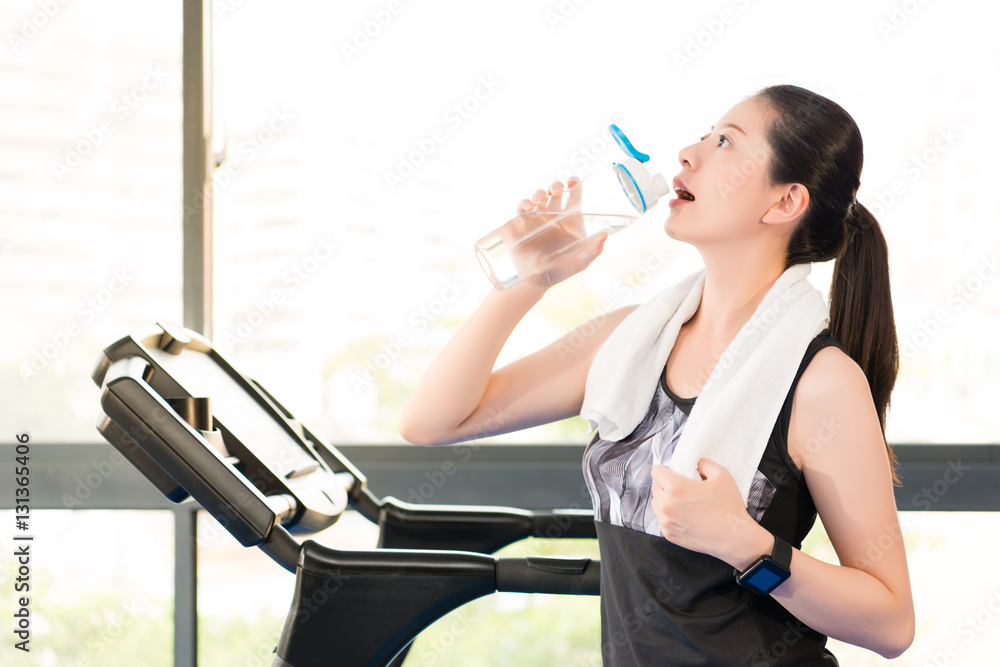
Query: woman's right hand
[(570, 232), (463, 396)]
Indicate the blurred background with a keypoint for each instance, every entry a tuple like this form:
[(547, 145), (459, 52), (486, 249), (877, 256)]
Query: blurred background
[(363, 148)]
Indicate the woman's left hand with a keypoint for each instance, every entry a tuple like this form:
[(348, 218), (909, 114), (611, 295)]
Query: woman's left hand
[(706, 515)]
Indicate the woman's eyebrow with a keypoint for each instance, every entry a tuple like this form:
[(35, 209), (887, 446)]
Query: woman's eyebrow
[(732, 125)]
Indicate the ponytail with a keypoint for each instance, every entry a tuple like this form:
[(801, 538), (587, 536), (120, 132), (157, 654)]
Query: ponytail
[(815, 142), (861, 316)]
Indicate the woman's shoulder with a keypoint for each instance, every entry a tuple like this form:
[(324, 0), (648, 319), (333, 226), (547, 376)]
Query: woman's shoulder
[(828, 372), (831, 392)]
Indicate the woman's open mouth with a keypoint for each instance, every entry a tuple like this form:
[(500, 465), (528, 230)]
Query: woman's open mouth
[(681, 190)]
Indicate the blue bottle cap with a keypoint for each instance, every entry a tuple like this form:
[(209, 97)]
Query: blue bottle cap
[(626, 145)]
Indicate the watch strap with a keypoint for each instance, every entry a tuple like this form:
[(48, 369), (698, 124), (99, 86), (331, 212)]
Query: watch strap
[(781, 555)]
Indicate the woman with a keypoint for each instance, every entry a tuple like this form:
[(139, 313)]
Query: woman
[(670, 544)]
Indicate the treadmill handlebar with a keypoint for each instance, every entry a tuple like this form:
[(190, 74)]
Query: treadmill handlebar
[(549, 574), (477, 528)]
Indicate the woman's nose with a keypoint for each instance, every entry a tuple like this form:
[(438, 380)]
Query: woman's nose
[(688, 156)]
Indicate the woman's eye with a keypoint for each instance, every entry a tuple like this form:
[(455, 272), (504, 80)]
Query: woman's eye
[(723, 140)]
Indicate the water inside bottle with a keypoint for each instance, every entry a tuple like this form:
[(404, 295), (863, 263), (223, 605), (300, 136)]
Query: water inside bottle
[(533, 242)]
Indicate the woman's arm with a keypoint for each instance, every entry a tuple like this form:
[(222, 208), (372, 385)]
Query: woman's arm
[(460, 397), (835, 435), (835, 438)]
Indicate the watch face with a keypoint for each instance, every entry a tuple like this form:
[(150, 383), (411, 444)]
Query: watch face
[(765, 577)]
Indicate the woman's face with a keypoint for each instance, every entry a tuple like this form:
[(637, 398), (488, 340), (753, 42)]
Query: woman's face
[(726, 173)]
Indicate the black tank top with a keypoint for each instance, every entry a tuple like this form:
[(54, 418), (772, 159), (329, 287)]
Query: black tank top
[(662, 604)]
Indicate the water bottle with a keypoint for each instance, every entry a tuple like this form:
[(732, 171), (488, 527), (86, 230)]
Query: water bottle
[(607, 200)]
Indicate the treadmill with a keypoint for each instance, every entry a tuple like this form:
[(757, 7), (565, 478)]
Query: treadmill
[(199, 430)]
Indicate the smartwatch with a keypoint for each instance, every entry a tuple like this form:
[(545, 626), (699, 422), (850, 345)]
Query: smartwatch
[(767, 572)]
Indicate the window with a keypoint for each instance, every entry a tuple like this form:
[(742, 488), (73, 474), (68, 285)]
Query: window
[(370, 146), (90, 247), (96, 600)]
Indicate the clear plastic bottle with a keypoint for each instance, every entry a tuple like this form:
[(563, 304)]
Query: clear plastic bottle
[(607, 200)]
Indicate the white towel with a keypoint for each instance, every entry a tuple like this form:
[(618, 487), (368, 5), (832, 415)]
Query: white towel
[(736, 410)]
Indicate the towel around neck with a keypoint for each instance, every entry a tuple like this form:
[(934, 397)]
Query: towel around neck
[(736, 410)]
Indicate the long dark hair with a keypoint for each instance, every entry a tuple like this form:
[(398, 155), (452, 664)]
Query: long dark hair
[(816, 143)]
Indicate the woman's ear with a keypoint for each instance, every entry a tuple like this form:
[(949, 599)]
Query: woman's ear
[(790, 207)]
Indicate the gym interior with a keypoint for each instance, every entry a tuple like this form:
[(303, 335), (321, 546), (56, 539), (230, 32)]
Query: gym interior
[(280, 201)]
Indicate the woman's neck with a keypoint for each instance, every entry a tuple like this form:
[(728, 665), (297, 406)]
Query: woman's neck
[(734, 287)]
